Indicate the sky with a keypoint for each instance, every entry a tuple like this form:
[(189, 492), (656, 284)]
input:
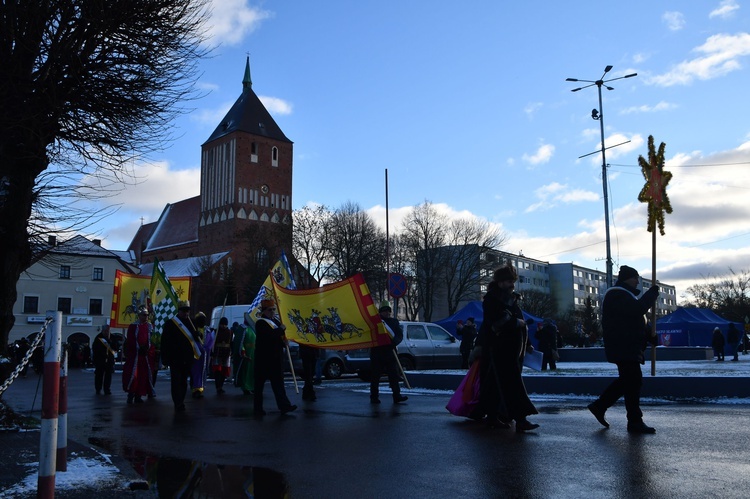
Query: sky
[(467, 106)]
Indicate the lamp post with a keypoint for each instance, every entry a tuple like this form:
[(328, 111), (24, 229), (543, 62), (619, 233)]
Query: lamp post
[(599, 116)]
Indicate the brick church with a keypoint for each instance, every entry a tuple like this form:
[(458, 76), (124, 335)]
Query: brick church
[(234, 231)]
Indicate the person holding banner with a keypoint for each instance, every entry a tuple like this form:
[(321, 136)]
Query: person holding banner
[(383, 359), (625, 337), (270, 341), (179, 349), (501, 343)]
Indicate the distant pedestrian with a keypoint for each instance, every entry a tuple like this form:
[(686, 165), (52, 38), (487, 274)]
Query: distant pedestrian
[(104, 361), (733, 338), (468, 335), (179, 349), (717, 342), (625, 337), (547, 344), (222, 355), (244, 377)]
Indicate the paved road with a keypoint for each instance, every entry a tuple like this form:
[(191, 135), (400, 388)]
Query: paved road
[(341, 446)]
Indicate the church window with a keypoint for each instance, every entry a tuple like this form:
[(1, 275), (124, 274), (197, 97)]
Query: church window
[(254, 152), (275, 156)]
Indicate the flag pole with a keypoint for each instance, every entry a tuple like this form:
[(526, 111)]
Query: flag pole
[(288, 354), (401, 369)]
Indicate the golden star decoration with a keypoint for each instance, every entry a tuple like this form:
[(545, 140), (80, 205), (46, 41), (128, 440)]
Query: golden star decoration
[(655, 191)]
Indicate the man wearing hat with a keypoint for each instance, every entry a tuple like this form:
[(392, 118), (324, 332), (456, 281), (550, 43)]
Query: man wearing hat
[(625, 336), (270, 341), (137, 372), (179, 350), (383, 359)]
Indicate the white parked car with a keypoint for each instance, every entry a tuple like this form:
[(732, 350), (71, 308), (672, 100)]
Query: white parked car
[(425, 346)]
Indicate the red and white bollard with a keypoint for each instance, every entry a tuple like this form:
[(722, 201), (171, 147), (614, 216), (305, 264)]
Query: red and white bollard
[(62, 416), (50, 404)]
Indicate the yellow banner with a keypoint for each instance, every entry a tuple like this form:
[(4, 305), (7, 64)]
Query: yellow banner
[(341, 315), (132, 291)]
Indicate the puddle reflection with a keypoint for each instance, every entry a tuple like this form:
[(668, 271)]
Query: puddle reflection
[(185, 478)]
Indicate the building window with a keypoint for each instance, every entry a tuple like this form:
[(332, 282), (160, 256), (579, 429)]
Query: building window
[(30, 304), (95, 306), (64, 271), (98, 274), (63, 304), (275, 156), (254, 152)]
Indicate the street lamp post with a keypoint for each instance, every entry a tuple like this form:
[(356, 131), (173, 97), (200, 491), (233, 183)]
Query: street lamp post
[(599, 115)]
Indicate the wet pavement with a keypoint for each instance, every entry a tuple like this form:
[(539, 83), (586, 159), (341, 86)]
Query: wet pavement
[(342, 446)]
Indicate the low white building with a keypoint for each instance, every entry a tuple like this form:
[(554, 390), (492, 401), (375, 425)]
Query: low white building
[(75, 277)]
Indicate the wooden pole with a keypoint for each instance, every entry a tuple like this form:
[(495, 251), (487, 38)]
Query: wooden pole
[(401, 369), (653, 309), (288, 353)]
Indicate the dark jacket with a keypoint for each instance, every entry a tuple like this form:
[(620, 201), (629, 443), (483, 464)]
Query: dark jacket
[(468, 335), (398, 336), (733, 335), (269, 343), (624, 322), (717, 340), (102, 351), (175, 347), (499, 327)]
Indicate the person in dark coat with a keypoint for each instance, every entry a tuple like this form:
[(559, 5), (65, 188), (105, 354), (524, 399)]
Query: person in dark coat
[(179, 350), (383, 359), (547, 344), (270, 342), (717, 342), (625, 336), (733, 338), (469, 334), (501, 345), (104, 361)]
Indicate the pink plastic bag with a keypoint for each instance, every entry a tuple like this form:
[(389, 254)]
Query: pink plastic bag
[(466, 397)]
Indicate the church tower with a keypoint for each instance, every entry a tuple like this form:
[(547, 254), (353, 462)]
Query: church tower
[(246, 183)]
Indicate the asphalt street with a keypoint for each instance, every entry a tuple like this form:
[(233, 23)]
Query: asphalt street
[(341, 446)]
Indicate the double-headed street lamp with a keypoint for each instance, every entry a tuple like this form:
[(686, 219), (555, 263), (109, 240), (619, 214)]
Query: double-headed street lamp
[(599, 115)]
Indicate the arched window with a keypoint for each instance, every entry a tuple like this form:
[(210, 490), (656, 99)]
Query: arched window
[(275, 156)]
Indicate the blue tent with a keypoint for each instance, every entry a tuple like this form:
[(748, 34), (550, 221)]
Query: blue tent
[(474, 309), (691, 327)]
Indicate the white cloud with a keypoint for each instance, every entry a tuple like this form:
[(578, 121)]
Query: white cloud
[(725, 10), (722, 54), (231, 20), (645, 108), (553, 194), (277, 106), (675, 21), (532, 108), (542, 155)]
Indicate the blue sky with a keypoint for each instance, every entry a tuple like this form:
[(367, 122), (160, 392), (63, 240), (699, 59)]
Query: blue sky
[(467, 106)]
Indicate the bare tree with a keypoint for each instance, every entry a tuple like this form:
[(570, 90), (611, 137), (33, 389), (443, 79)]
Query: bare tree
[(538, 303), (355, 245), (310, 240), (424, 232), (84, 86), (728, 296), (467, 240)]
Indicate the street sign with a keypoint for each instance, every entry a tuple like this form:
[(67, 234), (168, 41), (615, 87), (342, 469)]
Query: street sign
[(396, 285)]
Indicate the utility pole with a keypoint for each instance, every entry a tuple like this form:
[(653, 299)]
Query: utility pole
[(599, 116)]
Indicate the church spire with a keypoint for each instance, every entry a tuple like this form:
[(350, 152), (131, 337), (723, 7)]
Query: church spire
[(247, 82)]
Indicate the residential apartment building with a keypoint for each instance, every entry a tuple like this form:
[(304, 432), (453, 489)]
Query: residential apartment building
[(75, 277), (568, 284)]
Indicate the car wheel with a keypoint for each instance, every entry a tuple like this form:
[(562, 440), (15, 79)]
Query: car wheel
[(407, 364), (333, 369)]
